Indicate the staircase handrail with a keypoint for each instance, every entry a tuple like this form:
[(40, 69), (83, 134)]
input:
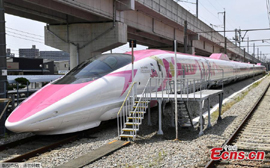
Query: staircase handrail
[(119, 123), (142, 94), (126, 98), (134, 111)]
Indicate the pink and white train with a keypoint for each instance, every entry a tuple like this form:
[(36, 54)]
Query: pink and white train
[(94, 90)]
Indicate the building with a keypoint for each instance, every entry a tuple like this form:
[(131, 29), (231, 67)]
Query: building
[(29, 66), (29, 52), (9, 54), (61, 67), (54, 55)]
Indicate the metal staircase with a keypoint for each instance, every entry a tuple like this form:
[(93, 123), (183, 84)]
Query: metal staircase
[(134, 120), (131, 113), (184, 117)]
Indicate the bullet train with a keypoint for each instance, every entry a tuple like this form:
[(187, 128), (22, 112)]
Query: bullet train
[(95, 89)]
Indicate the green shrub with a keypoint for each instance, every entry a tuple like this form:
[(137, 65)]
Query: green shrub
[(22, 81), (9, 86)]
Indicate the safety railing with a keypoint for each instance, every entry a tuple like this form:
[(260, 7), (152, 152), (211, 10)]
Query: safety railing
[(185, 84), (184, 88), (126, 107)]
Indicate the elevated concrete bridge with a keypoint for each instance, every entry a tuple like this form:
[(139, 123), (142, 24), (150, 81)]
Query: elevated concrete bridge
[(85, 28)]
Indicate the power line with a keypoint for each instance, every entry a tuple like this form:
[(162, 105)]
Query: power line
[(234, 30), (251, 46), (263, 40), (218, 11), (25, 38), (188, 8), (24, 32), (209, 11), (24, 35)]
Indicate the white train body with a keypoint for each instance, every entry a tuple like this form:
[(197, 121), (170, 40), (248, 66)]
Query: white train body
[(94, 90)]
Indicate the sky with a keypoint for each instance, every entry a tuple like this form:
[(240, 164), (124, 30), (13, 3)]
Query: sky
[(240, 14)]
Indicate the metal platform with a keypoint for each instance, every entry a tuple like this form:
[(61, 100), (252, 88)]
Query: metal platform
[(199, 96)]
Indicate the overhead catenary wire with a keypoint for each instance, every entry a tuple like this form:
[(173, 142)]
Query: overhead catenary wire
[(234, 30), (210, 12)]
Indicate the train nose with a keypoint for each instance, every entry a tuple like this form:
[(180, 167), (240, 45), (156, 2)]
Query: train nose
[(17, 126), (38, 108)]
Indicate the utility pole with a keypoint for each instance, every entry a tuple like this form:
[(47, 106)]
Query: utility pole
[(197, 8), (258, 53), (254, 50), (236, 37), (239, 41), (244, 54), (224, 20), (185, 37), (224, 23), (247, 44), (3, 65)]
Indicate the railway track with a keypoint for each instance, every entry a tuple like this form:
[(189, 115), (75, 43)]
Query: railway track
[(26, 148), (251, 138)]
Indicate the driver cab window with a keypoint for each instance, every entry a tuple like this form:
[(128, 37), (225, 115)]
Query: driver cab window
[(95, 68)]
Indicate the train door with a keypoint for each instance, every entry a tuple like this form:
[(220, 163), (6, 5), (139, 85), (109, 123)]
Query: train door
[(156, 74), (203, 77), (208, 70), (160, 74)]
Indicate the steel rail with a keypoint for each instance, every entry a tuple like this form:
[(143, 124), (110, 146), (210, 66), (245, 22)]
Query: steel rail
[(212, 163), (17, 143), (41, 150)]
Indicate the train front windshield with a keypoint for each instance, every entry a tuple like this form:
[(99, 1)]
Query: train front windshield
[(95, 68)]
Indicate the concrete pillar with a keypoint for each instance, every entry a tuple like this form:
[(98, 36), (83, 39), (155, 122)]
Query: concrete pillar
[(190, 50), (85, 40), (74, 59)]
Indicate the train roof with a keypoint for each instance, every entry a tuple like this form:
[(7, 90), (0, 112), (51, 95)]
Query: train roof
[(141, 54)]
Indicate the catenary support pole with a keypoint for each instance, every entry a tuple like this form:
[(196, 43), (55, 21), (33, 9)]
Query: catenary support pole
[(185, 37), (225, 39), (248, 45), (175, 90), (197, 8)]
